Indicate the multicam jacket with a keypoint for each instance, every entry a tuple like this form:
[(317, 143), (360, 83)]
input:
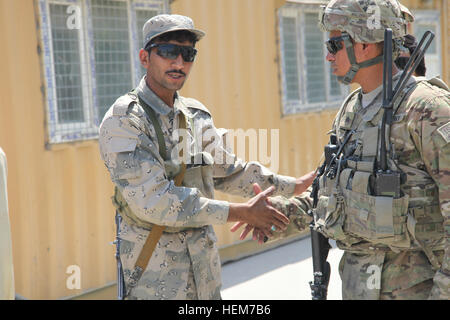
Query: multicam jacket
[(185, 263), (401, 251)]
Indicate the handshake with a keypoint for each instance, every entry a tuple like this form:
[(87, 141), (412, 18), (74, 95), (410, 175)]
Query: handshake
[(259, 215)]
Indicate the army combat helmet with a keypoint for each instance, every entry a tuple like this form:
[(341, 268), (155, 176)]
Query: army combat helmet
[(364, 21)]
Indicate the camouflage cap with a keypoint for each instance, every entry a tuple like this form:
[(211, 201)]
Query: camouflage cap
[(164, 23), (365, 20)]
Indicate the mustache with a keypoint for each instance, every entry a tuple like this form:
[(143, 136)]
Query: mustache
[(176, 71)]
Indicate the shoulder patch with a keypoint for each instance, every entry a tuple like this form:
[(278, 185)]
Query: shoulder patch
[(120, 107), (194, 104), (444, 131)]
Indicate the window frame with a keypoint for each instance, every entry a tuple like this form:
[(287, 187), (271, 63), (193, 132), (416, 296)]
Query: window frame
[(298, 10), (88, 128), (430, 17), (135, 6)]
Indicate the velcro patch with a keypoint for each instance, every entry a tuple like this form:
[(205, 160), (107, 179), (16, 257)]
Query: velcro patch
[(445, 132)]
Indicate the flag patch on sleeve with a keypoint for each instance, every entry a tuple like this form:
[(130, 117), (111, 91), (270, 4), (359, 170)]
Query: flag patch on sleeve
[(445, 132)]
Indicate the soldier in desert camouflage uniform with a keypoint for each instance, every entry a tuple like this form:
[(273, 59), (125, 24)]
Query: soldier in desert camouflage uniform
[(140, 145), (395, 247)]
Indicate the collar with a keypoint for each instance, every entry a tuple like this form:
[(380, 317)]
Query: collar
[(150, 98), (367, 98), (373, 96)]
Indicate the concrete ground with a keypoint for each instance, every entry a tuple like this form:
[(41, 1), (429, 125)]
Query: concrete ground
[(282, 273)]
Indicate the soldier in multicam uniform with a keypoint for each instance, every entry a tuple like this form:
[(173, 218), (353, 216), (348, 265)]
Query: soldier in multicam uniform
[(140, 145), (395, 247)]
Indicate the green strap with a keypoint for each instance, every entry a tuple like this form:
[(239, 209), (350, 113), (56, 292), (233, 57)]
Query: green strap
[(354, 66), (159, 133)]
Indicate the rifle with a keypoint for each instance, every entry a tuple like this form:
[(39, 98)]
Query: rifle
[(319, 243), (321, 267), (120, 278)]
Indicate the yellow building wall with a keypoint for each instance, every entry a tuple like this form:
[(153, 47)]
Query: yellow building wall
[(59, 205), (59, 195)]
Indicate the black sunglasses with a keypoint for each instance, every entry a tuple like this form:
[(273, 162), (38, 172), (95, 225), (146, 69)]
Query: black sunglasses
[(335, 44), (172, 51)]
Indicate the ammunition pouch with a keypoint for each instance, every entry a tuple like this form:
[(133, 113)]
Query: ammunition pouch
[(329, 214), (329, 217), (380, 220)]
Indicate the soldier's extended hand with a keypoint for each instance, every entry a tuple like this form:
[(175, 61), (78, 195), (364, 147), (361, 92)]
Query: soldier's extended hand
[(258, 234), (258, 213), (304, 182)]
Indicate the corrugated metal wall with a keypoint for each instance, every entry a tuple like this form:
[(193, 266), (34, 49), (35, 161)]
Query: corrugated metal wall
[(59, 196)]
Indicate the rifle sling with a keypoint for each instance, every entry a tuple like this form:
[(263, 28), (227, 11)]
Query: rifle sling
[(159, 133), (157, 230)]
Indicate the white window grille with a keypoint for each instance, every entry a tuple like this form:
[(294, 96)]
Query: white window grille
[(90, 58), (429, 20), (307, 81)]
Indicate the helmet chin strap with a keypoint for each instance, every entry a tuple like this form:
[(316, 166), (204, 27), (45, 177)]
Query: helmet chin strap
[(354, 66)]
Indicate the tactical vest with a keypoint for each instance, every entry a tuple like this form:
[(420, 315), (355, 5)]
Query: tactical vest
[(198, 176), (347, 210)]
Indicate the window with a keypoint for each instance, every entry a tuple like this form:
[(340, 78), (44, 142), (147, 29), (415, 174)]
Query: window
[(90, 57), (307, 81), (429, 21)]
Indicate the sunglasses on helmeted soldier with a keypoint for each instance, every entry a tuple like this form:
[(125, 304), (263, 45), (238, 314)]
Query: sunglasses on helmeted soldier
[(335, 44), (172, 51)]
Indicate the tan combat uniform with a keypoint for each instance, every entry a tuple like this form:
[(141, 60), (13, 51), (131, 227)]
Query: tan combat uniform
[(394, 248), (185, 263)]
